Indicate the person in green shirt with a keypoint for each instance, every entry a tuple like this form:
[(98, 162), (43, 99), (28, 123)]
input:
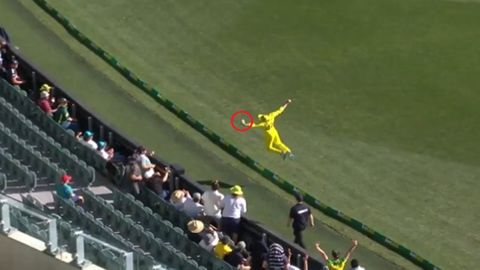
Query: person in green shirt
[(65, 191), (336, 262)]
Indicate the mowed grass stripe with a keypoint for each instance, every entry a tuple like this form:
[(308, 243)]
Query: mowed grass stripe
[(382, 88)]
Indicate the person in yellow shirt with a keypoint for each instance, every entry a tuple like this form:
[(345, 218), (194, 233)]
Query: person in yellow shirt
[(272, 138), (223, 247), (337, 262)]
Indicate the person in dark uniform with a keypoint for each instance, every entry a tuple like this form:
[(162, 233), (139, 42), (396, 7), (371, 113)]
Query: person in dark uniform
[(300, 216)]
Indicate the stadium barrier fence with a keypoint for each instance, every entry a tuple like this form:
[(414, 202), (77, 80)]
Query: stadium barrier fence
[(231, 149)]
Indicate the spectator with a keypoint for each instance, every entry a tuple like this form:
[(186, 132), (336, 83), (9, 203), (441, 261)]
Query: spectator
[(134, 173), (300, 215), (145, 163), (158, 181), (239, 257), (62, 116), (45, 104), (65, 191), (337, 262), (259, 250), (293, 267), (208, 237), (192, 206), (5, 59), (212, 200), (223, 247), (46, 88), (355, 265), (178, 198), (276, 259), (102, 150), (234, 207), (87, 139), (12, 74)]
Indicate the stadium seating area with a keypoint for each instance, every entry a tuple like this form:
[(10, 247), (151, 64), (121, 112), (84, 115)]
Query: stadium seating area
[(35, 152)]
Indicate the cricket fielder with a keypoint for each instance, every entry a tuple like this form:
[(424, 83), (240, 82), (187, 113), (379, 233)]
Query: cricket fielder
[(272, 138)]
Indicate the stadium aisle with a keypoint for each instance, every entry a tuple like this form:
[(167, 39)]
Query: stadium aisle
[(115, 101)]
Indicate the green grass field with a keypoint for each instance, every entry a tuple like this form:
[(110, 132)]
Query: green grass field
[(384, 119)]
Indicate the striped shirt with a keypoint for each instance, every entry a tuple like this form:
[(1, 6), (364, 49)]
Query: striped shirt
[(276, 258)]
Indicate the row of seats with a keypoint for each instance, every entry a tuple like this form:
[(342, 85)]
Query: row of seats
[(64, 137), (28, 156), (18, 124), (163, 229), (25, 223), (16, 172), (165, 252), (86, 222)]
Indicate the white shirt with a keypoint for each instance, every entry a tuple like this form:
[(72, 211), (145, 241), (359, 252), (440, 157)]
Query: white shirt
[(212, 200), (145, 161), (104, 154), (193, 209), (358, 268), (90, 143), (234, 207)]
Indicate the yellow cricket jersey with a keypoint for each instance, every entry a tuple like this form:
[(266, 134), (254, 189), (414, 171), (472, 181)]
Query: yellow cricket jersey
[(338, 264), (221, 250), (269, 119)]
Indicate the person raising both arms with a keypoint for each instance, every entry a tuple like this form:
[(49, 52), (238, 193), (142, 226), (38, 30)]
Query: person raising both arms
[(272, 138), (336, 262)]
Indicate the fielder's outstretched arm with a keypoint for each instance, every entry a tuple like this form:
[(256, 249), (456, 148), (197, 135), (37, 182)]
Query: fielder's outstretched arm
[(280, 110)]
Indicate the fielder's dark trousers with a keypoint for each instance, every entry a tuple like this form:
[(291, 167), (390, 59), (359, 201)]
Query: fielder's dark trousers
[(298, 237)]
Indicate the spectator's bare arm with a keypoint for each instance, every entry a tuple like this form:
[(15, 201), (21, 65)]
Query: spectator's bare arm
[(320, 250), (352, 248), (312, 220)]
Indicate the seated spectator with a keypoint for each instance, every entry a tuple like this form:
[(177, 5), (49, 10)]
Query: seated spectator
[(356, 265), (192, 206), (258, 250), (134, 173), (106, 154), (207, 237), (87, 139), (336, 262), (239, 257), (145, 163), (45, 104), (234, 207), (65, 191), (212, 200), (276, 258), (178, 198), (158, 181), (12, 75), (223, 247), (62, 116)]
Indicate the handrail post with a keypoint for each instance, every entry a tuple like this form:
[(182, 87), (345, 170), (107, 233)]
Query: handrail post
[(128, 260), (5, 223), (52, 236), (79, 248)]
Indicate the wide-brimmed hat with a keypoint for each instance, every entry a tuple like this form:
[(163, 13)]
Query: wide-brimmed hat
[(45, 88), (236, 190), (177, 196), (195, 226)]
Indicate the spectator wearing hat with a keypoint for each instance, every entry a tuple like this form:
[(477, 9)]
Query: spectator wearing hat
[(192, 206), (87, 139), (62, 116), (12, 74), (239, 257), (212, 200), (65, 191), (234, 207), (356, 265), (223, 247), (179, 197), (336, 262), (206, 236), (103, 152), (300, 215), (45, 104), (45, 88)]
